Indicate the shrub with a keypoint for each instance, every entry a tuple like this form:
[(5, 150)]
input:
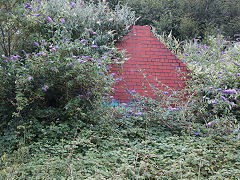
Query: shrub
[(63, 68), (215, 74)]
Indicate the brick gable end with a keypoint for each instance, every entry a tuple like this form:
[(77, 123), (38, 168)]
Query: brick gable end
[(151, 65)]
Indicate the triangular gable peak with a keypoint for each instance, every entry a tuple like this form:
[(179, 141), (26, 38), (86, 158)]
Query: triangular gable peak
[(151, 65)]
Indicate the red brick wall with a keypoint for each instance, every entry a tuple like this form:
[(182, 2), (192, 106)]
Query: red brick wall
[(150, 64)]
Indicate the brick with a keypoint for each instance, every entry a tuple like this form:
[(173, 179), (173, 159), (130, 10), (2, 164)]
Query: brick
[(141, 27), (147, 53)]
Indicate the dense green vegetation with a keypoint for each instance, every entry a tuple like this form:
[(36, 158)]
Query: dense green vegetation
[(62, 67), (188, 18), (55, 117)]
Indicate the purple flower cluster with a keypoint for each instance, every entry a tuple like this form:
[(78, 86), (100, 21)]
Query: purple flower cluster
[(130, 92), (103, 58), (39, 54), (174, 109), (196, 134), (36, 44), (63, 20), (209, 124), (44, 42), (35, 15), (80, 61), (37, 8), (49, 19), (236, 64), (133, 91), (83, 41), (64, 39), (53, 49), (45, 88), (82, 2), (15, 57), (124, 104), (223, 98), (229, 91), (72, 4), (93, 33), (28, 6), (205, 46), (94, 46), (139, 114), (85, 57)]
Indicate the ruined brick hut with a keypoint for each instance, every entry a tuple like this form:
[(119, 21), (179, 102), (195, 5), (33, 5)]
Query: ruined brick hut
[(151, 65)]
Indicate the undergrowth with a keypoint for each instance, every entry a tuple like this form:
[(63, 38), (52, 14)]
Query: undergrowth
[(149, 153)]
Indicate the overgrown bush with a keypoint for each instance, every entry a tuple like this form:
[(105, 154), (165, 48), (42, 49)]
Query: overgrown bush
[(215, 75), (61, 69)]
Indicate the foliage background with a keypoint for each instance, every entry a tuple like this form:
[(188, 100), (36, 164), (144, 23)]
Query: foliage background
[(188, 18)]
